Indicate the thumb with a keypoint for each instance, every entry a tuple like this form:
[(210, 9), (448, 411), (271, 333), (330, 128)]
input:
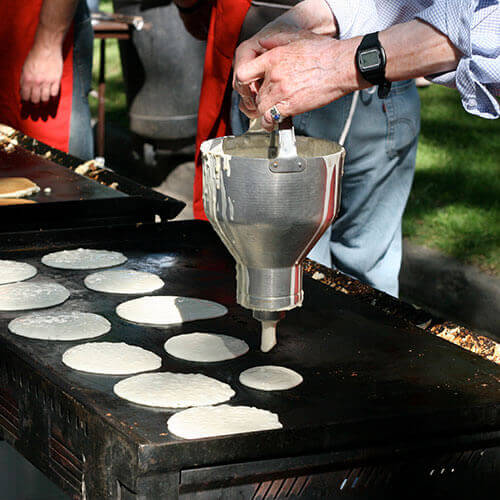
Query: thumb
[(250, 71)]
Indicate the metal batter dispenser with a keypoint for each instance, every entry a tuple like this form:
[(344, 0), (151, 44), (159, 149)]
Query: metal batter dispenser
[(270, 197)]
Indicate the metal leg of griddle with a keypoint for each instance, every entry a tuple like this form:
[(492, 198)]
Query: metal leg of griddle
[(101, 99)]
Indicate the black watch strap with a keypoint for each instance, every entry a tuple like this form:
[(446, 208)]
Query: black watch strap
[(375, 76)]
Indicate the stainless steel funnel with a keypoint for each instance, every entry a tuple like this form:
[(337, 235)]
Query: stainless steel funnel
[(269, 213)]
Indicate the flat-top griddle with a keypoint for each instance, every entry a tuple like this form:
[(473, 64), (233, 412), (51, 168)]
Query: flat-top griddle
[(64, 184), (73, 200), (381, 404)]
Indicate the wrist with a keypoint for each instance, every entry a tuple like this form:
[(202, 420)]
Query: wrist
[(48, 40), (353, 79)]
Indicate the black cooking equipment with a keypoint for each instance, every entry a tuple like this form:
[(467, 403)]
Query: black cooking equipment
[(385, 410), (68, 199)]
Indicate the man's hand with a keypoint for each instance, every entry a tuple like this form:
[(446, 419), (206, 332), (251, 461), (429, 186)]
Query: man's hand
[(41, 73), (296, 76), (309, 16), (249, 51)]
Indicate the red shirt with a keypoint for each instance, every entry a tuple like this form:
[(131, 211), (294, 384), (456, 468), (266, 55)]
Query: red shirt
[(49, 123), (215, 98)]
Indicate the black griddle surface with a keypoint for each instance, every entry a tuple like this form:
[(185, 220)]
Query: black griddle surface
[(65, 185), (366, 382)]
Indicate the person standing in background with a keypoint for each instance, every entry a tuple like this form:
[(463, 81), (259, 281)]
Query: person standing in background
[(46, 72), (93, 5)]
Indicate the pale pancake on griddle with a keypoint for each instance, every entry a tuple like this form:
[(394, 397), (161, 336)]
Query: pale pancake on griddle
[(17, 187)]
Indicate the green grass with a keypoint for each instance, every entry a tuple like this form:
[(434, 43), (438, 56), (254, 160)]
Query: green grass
[(116, 107), (455, 202)]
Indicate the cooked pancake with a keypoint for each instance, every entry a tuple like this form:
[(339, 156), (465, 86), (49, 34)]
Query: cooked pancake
[(17, 187)]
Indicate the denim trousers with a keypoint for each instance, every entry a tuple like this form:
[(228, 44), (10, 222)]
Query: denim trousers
[(365, 241), (81, 141)]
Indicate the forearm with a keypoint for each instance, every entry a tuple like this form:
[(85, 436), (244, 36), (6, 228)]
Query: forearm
[(56, 17), (412, 49), (416, 49)]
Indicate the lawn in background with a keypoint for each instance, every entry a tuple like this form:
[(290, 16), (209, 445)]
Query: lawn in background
[(116, 107), (455, 202)]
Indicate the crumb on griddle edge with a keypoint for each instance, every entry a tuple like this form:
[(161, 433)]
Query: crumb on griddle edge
[(404, 313)]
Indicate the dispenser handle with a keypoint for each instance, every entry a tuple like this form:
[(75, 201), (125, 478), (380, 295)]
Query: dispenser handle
[(287, 159)]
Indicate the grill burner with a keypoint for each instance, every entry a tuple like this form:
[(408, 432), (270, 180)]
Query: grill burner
[(384, 408)]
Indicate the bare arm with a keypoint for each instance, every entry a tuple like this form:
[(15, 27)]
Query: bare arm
[(305, 74), (416, 49), (42, 70)]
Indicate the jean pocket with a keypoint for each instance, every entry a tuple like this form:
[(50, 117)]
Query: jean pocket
[(402, 109)]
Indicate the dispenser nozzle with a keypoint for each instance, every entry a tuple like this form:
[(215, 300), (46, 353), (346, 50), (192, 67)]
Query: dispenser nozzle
[(269, 321)]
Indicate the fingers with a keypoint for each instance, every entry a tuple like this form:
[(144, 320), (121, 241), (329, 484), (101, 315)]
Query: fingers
[(54, 89), (38, 92), (35, 94), (247, 96), (45, 92), (252, 71), (245, 53), (250, 112), (41, 76), (25, 91), (267, 125)]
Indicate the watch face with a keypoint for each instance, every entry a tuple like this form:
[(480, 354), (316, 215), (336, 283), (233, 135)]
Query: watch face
[(369, 59)]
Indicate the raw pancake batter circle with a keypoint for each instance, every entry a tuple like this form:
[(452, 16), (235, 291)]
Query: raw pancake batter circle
[(110, 358), (12, 271), (205, 347), (123, 281), (83, 258), (270, 378), (17, 187), (211, 421), (166, 310), (173, 390), (60, 326), (21, 296)]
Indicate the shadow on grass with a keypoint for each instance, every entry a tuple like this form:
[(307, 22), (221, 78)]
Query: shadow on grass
[(455, 201)]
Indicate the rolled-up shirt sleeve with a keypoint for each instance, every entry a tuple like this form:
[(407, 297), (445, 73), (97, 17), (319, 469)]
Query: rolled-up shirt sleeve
[(354, 17), (473, 26)]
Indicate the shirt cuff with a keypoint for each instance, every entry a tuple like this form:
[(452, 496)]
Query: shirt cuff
[(345, 14), (471, 78)]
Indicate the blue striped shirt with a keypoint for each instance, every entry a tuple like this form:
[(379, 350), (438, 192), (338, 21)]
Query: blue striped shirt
[(473, 26)]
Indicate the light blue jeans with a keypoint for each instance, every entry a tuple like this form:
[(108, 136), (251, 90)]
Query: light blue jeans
[(366, 241), (81, 141)]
